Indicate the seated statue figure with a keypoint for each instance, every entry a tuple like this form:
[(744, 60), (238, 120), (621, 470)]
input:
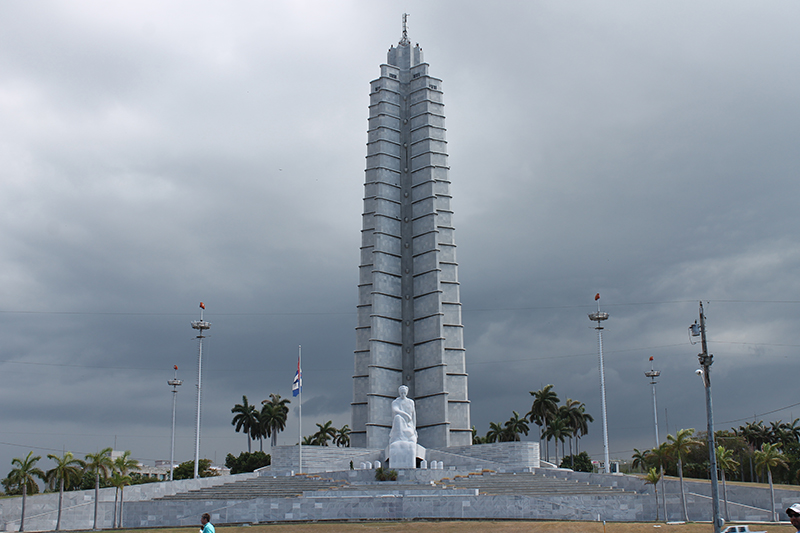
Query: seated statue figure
[(404, 418), (403, 437)]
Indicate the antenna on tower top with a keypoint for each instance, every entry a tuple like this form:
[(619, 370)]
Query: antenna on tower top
[(404, 40)]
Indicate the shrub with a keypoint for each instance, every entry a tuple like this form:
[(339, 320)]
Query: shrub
[(384, 474)]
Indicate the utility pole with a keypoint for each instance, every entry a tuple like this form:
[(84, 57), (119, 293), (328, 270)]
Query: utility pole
[(706, 359), (175, 382), (200, 325), (653, 374), (599, 317)]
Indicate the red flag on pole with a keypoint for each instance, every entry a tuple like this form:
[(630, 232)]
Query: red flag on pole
[(596, 297), (203, 306)]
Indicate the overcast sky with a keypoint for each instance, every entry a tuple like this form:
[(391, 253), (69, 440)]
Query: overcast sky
[(154, 155)]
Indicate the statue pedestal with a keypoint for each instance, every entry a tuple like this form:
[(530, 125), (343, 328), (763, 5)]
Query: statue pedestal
[(404, 454)]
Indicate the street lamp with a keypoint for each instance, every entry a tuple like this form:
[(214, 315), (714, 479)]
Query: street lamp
[(706, 359), (200, 325), (175, 382), (653, 374), (599, 318)]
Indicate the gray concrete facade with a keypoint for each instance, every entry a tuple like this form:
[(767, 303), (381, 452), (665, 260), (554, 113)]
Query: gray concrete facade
[(498, 456), (409, 310), (392, 501)]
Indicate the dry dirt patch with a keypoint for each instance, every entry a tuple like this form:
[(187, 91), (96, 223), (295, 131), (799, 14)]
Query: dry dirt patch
[(471, 527)]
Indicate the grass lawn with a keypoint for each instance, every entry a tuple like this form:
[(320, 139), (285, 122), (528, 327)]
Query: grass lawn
[(472, 527)]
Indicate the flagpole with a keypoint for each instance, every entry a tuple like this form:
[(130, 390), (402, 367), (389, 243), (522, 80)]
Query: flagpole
[(300, 408)]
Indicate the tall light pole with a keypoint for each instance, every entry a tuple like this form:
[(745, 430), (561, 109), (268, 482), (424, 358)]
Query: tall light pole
[(706, 359), (200, 325), (599, 318), (175, 382), (653, 374)]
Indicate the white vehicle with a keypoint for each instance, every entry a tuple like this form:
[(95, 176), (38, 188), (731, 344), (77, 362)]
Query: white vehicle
[(740, 529)]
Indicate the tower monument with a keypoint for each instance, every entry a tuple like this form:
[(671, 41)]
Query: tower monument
[(409, 309)]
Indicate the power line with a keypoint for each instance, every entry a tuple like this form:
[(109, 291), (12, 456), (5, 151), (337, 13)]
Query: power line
[(465, 308)]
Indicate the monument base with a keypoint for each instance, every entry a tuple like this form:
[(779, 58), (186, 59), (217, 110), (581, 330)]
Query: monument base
[(497, 456), (403, 454)]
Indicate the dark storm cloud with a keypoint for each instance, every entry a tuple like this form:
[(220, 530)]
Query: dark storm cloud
[(156, 155)]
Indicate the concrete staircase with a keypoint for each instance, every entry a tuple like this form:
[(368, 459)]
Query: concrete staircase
[(526, 484), (260, 487), (519, 484)]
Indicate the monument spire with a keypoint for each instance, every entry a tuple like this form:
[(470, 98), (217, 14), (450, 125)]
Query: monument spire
[(404, 39), (409, 329)]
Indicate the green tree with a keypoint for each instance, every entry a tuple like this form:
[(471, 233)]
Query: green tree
[(558, 431), (579, 463), (641, 460), (99, 464), (342, 437), (23, 476), (185, 470), (679, 446), (325, 432), (652, 477), (247, 462), (726, 463), (513, 427), (274, 413), (660, 457), (768, 458), (476, 439), (494, 434), (68, 470), (118, 481), (571, 413), (544, 407), (755, 434), (124, 464), (581, 427), (246, 420)]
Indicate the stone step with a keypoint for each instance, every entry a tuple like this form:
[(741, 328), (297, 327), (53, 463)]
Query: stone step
[(525, 484), (260, 487)]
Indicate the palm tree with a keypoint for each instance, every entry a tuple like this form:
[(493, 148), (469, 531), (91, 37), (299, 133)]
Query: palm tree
[(342, 437), (324, 433), (557, 430), (725, 462), (68, 469), (99, 464), (274, 413), (769, 457), (660, 457), (245, 419), (679, 446), (514, 426), (574, 416), (652, 478), (756, 434), (118, 481), (640, 459), (23, 476), (793, 430), (544, 407), (582, 425), (476, 439), (124, 464), (495, 433)]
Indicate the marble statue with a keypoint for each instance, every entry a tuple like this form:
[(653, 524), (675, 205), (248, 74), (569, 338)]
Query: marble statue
[(403, 437), (404, 418)]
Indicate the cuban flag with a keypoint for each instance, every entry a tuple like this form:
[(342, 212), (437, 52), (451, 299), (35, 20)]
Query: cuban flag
[(297, 385)]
